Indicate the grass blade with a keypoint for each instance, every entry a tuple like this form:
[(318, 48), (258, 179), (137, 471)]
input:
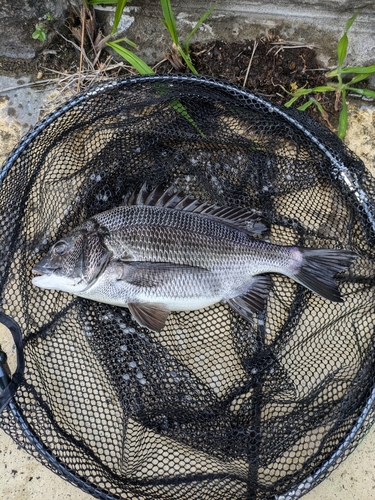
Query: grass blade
[(201, 20), (365, 92), (180, 108), (129, 42), (350, 21), (118, 13), (320, 108), (342, 48), (187, 60), (306, 105), (353, 69), (132, 59), (162, 89), (324, 88), (358, 78), (291, 101), (169, 20), (343, 118), (144, 69)]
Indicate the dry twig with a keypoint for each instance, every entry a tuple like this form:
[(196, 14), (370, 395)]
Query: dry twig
[(83, 20), (250, 62)]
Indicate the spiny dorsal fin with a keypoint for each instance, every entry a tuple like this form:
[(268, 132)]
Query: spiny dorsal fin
[(237, 217)]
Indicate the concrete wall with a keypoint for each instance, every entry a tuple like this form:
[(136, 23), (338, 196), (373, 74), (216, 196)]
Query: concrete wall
[(316, 22), (310, 22)]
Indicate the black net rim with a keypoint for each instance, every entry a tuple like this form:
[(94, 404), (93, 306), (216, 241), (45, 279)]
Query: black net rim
[(345, 178)]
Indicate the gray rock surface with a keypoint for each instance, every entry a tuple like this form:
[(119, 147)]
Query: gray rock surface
[(17, 24), (20, 106), (320, 23)]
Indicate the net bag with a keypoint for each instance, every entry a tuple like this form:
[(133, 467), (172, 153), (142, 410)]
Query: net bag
[(212, 407)]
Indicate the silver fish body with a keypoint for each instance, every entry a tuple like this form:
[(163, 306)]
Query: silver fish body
[(164, 252)]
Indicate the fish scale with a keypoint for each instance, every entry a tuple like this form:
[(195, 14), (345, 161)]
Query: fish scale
[(150, 233), (165, 252)]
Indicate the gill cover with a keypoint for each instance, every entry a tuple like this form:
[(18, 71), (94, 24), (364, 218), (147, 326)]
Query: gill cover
[(94, 255), (77, 260)]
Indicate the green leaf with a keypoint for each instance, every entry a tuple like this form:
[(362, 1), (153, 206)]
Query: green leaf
[(132, 59), (162, 89), (316, 103), (300, 92), (342, 48), (352, 69), (360, 69), (201, 20), (323, 88), (350, 21), (306, 105), (118, 13), (358, 78), (169, 20), (129, 42), (40, 34), (343, 118), (187, 60), (365, 92), (319, 106), (144, 69), (180, 108), (291, 101)]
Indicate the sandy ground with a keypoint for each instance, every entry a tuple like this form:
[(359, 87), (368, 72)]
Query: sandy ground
[(22, 477)]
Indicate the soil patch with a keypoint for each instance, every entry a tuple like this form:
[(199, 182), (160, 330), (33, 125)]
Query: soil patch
[(268, 66)]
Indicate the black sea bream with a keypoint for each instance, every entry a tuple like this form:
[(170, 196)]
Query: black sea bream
[(164, 252)]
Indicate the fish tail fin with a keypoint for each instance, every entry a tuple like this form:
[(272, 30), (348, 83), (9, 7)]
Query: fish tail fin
[(318, 268)]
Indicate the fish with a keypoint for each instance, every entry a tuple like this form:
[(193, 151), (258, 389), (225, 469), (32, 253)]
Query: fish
[(163, 251)]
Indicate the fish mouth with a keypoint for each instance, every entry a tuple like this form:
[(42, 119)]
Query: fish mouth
[(44, 270)]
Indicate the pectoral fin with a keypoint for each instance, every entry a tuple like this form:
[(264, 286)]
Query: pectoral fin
[(154, 274), (254, 300), (152, 316)]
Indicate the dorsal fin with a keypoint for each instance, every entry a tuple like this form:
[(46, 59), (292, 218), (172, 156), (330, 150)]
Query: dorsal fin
[(237, 217)]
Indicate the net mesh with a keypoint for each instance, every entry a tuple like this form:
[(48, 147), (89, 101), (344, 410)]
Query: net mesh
[(212, 407)]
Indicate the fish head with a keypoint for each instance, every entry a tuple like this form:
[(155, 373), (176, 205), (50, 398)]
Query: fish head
[(74, 263)]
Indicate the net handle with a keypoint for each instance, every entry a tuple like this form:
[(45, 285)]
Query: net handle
[(8, 384)]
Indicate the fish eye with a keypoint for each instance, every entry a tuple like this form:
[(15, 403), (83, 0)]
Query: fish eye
[(60, 248)]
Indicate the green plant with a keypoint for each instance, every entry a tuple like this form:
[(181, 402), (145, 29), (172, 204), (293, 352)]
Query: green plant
[(41, 29), (336, 83), (170, 23), (129, 56), (140, 65), (120, 6), (179, 49)]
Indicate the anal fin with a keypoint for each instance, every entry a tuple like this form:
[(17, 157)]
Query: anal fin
[(254, 300), (152, 316)]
